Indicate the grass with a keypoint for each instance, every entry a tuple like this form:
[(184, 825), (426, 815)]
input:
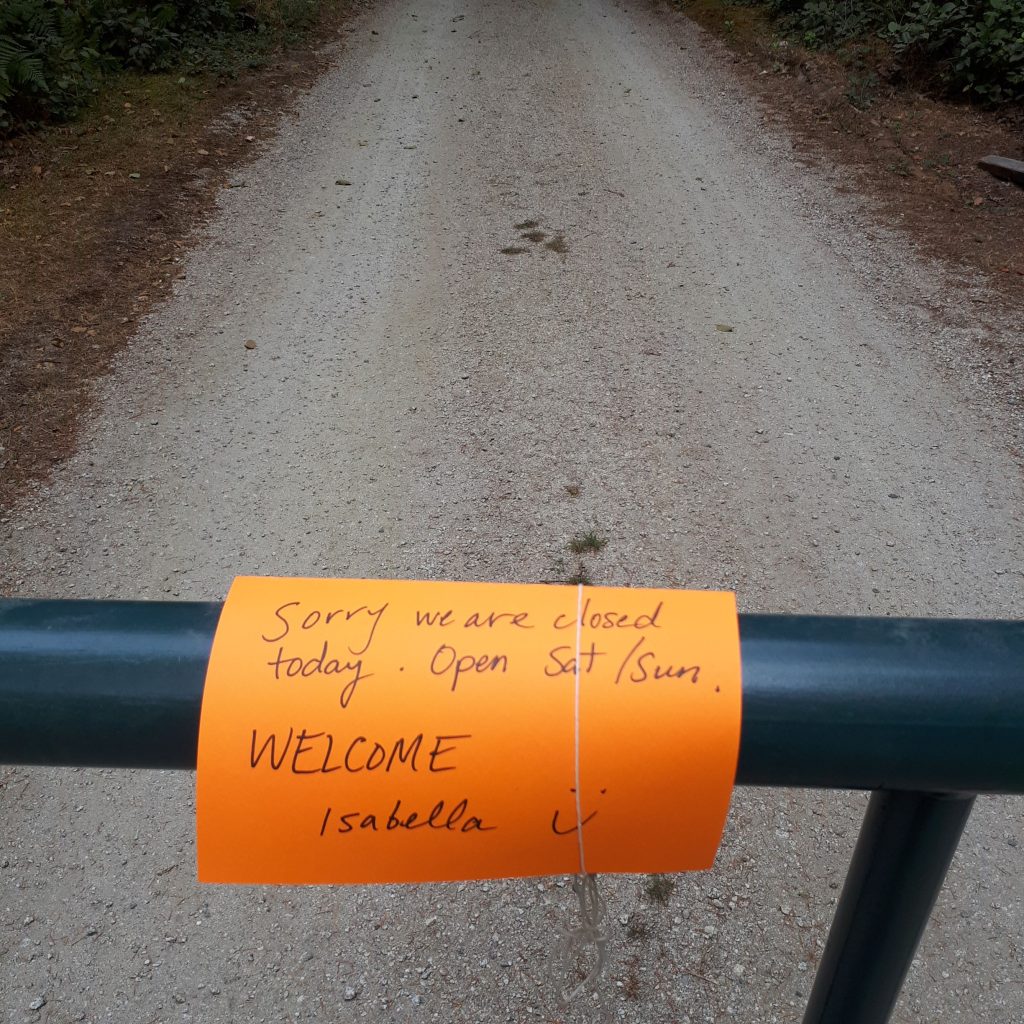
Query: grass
[(587, 543), (659, 889), (580, 578)]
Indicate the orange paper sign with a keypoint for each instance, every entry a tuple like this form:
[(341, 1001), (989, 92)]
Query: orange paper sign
[(383, 731)]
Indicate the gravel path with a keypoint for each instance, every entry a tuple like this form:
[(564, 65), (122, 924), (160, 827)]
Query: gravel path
[(421, 404)]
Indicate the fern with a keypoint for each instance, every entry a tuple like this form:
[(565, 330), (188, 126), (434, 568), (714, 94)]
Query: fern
[(32, 18), (44, 69), (19, 67), (40, 25)]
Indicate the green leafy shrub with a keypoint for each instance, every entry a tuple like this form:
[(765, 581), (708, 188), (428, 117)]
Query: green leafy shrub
[(975, 46), (831, 23), (970, 47), (47, 63), (135, 35), (53, 53)]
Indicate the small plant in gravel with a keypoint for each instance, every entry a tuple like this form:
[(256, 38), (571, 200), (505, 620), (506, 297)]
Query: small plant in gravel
[(659, 889), (587, 543), (580, 577)]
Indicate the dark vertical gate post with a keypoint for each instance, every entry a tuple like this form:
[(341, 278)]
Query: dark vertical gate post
[(905, 847)]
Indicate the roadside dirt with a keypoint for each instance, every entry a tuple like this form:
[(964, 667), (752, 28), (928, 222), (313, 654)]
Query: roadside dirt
[(913, 157), (96, 217)]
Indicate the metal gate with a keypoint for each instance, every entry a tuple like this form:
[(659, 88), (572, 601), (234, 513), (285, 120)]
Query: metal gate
[(926, 713)]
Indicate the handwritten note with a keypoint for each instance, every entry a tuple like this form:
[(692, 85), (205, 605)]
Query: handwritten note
[(396, 731)]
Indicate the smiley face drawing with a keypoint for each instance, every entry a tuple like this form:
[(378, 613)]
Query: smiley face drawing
[(574, 827)]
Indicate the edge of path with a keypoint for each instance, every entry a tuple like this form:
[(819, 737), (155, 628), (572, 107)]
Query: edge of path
[(102, 213)]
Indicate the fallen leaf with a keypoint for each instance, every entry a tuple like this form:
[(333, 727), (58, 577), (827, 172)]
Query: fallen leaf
[(343, 181), (135, 174), (724, 327)]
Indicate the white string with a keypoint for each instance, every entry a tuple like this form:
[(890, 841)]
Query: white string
[(592, 930), (576, 714)]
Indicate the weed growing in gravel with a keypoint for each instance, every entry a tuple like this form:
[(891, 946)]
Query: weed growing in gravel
[(580, 577), (587, 543), (659, 889)]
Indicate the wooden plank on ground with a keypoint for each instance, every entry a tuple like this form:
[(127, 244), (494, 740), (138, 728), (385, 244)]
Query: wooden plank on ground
[(1005, 168)]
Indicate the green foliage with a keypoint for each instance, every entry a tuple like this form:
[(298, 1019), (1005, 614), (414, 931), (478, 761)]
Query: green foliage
[(832, 23), (46, 61), (54, 53), (977, 46), (970, 47)]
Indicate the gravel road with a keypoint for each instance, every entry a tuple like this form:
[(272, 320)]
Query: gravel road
[(420, 403)]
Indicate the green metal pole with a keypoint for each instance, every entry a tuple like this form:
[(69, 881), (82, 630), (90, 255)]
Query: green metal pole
[(905, 847), (905, 706), (845, 703), (115, 684)]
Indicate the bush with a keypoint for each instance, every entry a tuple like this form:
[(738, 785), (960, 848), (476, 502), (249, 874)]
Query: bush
[(53, 53), (831, 23), (968, 47), (47, 65), (976, 46)]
